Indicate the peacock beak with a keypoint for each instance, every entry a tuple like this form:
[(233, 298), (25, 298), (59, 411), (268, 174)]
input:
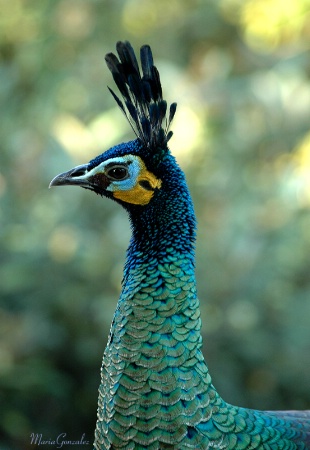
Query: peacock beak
[(78, 176)]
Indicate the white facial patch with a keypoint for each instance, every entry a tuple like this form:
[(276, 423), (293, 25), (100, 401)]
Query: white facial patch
[(133, 165)]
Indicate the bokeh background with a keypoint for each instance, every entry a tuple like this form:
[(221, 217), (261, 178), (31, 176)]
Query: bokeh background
[(239, 70)]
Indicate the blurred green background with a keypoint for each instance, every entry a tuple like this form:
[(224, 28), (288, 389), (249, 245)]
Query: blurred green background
[(239, 70)]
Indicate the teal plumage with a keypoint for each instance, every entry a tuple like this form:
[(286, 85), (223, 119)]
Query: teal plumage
[(156, 390)]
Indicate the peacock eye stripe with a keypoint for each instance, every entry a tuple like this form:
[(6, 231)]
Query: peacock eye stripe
[(117, 164)]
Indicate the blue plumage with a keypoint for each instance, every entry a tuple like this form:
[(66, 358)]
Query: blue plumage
[(156, 390)]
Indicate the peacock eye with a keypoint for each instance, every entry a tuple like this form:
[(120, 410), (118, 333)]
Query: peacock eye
[(117, 173)]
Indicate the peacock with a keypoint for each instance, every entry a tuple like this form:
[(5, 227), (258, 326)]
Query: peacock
[(156, 390)]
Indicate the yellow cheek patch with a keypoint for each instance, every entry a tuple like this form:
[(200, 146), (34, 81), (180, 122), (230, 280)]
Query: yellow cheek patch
[(143, 190)]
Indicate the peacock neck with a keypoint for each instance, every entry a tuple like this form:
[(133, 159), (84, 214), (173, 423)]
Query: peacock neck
[(160, 242), (159, 280), (165, 230)]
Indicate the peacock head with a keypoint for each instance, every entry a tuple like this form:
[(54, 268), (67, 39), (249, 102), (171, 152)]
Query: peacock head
[(132, 173)]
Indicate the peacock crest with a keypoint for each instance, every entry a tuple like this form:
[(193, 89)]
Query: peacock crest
[(142, 99)]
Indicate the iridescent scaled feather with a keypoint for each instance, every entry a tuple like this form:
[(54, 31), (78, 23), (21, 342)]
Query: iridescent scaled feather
[(156, 390)]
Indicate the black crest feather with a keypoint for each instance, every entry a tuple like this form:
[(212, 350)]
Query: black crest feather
[(142, 101)]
